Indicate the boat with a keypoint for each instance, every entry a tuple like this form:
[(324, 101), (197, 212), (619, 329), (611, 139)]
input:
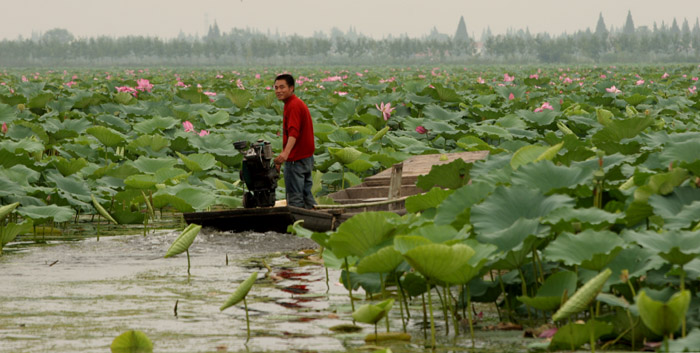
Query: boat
[(385, 191)]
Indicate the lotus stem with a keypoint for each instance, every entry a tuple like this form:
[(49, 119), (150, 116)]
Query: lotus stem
[(247, 319), (425, 316), (188, 261), (682, 289), (444, 311), (349, 283), (524, 288), (401, 299), (383, 286), (592, 339), (453, 309), (505, 296), (432, 319)]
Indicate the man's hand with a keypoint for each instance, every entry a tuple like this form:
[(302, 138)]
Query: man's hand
[(281, 158)]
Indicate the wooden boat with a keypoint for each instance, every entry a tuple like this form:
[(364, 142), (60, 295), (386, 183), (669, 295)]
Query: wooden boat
[(386, 190)]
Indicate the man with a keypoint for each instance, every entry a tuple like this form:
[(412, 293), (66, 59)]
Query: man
[(297, 145)]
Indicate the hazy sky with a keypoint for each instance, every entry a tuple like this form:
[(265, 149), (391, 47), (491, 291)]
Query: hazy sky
[(376, 18)]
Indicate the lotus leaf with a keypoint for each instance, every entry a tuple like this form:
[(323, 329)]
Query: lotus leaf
[(240, 292), (431, 199), (45, 213), (580, 300), (384, 260), (589, 249), (372, 313), (140, 181), (151, 165), (198, 162), (10, 231), (543, 118), (7, 209), (219, 118), (573, 335), (452, 175), (362, 232), (455, 209), (184, 240), (102, 210), (132, 342), (552, 291), (106, 136), (675, 246), (663, 318), (438, 261)]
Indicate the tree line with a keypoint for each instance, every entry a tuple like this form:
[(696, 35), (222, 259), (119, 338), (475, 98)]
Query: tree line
[(663, 43)]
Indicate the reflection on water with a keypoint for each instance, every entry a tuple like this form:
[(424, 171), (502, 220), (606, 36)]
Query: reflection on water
[(77, 296)]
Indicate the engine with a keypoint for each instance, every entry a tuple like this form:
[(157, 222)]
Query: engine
[(258, 172)]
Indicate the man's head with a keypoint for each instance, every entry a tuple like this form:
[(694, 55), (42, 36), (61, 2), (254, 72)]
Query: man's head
[(284, 86)]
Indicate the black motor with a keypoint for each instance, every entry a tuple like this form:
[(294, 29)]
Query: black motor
[(259, 173)]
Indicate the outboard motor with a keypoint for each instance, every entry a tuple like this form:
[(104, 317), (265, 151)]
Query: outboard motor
[(259, 173)]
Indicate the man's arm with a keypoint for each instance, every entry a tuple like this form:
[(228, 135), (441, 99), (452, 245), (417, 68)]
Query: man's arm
[(291, 141)]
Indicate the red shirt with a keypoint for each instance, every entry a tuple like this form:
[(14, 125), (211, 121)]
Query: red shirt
[(297, 122)]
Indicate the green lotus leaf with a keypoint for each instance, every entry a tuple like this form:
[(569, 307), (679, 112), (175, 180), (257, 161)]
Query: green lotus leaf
[(589, 249), (217, 144), (10, 231), (164, 200), (527, 154), (140, 181), (404, 243), (604, 117), (472, 269), (437, 233), (86, 99), (198, 162), (151, 165), (609, 137), (155, 124), (378, 136), (219, 118), (128, 217), (153, 143), (573, 335), (106, 136), (37, 129), (661, 183), (384, 260), (439, 261), (436, 112), (184, 240), (685, 344), (506, 205), (69, 166), (124, 98), (23, 145), (70, 185), (132, 342), (452, 175), (580, 300), (431, 199), (168, 173), (456, 208), (680, 152), (239, 97), (678, 209), (192, 95), (102, 210), (593, 216), (7, 113), (58, 214), (550, 294), (372, 313), (362, 232), (198, 198), (360, 165), (663, 318), (240, 292), (492, 131), (345, 138), (542, 118), (40, 100), (675, 246), (7, 209)]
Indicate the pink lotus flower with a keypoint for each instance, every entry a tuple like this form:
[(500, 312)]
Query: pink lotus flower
[(421, 130), (603, 76), (24, 78), (694, 78), (692, 90), (359, 74), (665, 75), (535, 76), (480, 80), (143, 85), (209, 93), (4, 128), (640, 82), (340, 93), (511, 96), (385, 109), (507, 78), (126, 89), (239, 84), (71, 83), (180, 84), (268, 88), (188, 126), (257, 76), (203, 133), (219, 76), (613, 89), (544, 106)]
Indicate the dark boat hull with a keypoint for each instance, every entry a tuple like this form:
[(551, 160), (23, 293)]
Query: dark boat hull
[(262, 219)]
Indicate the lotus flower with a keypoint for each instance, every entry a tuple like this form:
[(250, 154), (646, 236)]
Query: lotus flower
[(209, 93), (239, 84), (143, 85), (568, 80), (421, 130), (188, 126), (340, 93), (257, 76), (511, 96), (203, 133), (71, 83), (385, 109), (508, 78), (692, 90), (613, 89), (126, 89), (219, 76), (480, 80), (640, 82), (24, 78), (4, 128), (544, 106), (535, 76), (180, 84), (665, 75)]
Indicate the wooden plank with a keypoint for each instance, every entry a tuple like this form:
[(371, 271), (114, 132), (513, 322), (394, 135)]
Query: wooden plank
[(420, 165), (262, 219)]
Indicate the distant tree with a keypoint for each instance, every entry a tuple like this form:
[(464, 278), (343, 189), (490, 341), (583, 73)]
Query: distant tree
[(214, 32), (600, 29), (629, 24), (57, 36), (685, 35), (696, 36), (461, 34)]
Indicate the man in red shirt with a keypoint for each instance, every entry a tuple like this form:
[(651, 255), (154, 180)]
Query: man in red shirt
[(297, 144)]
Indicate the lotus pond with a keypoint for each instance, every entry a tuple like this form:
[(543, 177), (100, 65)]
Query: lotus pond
[(583, 222)]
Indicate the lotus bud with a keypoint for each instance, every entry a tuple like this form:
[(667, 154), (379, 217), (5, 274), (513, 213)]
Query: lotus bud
[(625, 275), (697, 181), (20, 107), (4, 128)]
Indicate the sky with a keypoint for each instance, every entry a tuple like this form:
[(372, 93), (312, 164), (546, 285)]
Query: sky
[(375, 18)]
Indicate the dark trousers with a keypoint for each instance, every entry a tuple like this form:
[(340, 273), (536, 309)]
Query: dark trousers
[(298, 182)]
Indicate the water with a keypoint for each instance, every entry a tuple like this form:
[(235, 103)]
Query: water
[(77, 296)]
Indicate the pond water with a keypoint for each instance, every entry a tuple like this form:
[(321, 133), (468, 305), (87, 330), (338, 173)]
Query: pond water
[(77, 296)]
